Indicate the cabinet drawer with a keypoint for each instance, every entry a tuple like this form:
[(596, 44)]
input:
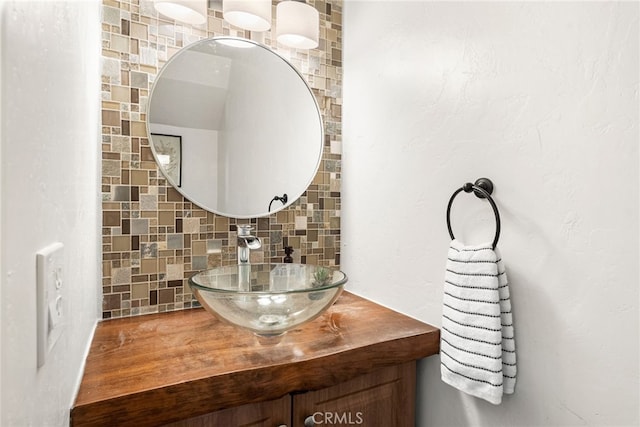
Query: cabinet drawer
[(383, 398), (271, 413)]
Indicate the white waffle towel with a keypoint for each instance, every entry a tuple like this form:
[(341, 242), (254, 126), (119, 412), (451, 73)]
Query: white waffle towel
[(477, 348)]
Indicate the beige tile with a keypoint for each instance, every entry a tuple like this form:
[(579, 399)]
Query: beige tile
[(222, 224), (139, 177), (334, 223), (166, 218), (110, 168), (214, 260), (175, 271), (301, 222), (191, 225), (120, 93), (120, 243), (138, 31), (166, 296), (110, 218), (139, 291), (148, 202), (110, 118), (199, 248), (149, 266), (119, 43), (121, 144), (214, 246), (110, 105), (133, 46), (120, 275), (149, 68), (138, 129)]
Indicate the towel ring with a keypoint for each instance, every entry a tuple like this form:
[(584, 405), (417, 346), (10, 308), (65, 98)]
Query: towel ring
[(482, 188)]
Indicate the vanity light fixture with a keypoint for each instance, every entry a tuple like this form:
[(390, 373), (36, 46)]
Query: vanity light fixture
[(297, 24), (192, 12), (252, 15)]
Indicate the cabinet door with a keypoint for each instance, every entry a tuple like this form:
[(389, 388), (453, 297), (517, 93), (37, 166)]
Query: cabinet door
[(382, 398), (271, 413)]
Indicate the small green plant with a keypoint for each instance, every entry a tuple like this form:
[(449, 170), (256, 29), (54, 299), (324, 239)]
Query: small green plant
[(321, 276)]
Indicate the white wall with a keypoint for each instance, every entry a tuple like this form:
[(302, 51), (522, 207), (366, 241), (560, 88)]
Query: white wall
[(1, 209), (50, 192), (199, 157), (543, 99)]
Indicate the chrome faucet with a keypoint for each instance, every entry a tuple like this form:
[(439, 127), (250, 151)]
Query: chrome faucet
[(246, 242)]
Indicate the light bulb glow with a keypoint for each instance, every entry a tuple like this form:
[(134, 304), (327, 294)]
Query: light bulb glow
[(297, 25), (252, 15), (192, 12)]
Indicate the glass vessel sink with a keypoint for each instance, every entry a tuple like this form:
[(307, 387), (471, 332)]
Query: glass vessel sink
[(267, 299)]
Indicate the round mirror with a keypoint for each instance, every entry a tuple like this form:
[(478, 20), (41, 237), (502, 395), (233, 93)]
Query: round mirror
[(234, 127)]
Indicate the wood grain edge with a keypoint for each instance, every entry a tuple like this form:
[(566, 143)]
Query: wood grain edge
[(194, 398)]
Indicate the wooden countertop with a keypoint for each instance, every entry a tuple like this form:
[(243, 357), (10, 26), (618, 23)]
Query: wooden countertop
[(155, 369)]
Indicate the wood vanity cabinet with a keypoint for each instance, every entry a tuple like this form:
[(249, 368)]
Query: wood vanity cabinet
[(384, 398), (273, 413), (354, 365)]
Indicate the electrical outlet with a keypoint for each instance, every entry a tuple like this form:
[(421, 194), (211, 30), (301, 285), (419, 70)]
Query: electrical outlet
[(50, 298)]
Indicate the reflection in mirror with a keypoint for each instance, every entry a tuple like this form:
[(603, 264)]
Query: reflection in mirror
[(233, 127)]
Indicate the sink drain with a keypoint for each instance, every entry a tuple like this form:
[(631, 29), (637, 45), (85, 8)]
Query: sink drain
[(271, 319)]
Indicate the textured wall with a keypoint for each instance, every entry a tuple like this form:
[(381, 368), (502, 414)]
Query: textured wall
[(50, 173), (154, 239), (543, 99)]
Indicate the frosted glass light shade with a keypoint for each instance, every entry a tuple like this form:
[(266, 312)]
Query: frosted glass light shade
[(192, 12), (298, 25), (252, 15)]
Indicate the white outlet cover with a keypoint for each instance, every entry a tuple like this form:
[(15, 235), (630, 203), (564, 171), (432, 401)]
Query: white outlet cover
[(51, 300)]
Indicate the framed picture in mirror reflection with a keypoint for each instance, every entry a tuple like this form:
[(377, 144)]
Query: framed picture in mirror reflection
[(169, 154)]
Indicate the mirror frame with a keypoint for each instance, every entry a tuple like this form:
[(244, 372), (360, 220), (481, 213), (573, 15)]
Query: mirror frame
[(291, 198)]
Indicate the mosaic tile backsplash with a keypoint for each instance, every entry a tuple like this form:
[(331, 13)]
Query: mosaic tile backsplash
[(153, 239)]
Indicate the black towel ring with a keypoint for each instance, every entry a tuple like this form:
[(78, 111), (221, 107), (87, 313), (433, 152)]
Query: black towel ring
[(482, 188)]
